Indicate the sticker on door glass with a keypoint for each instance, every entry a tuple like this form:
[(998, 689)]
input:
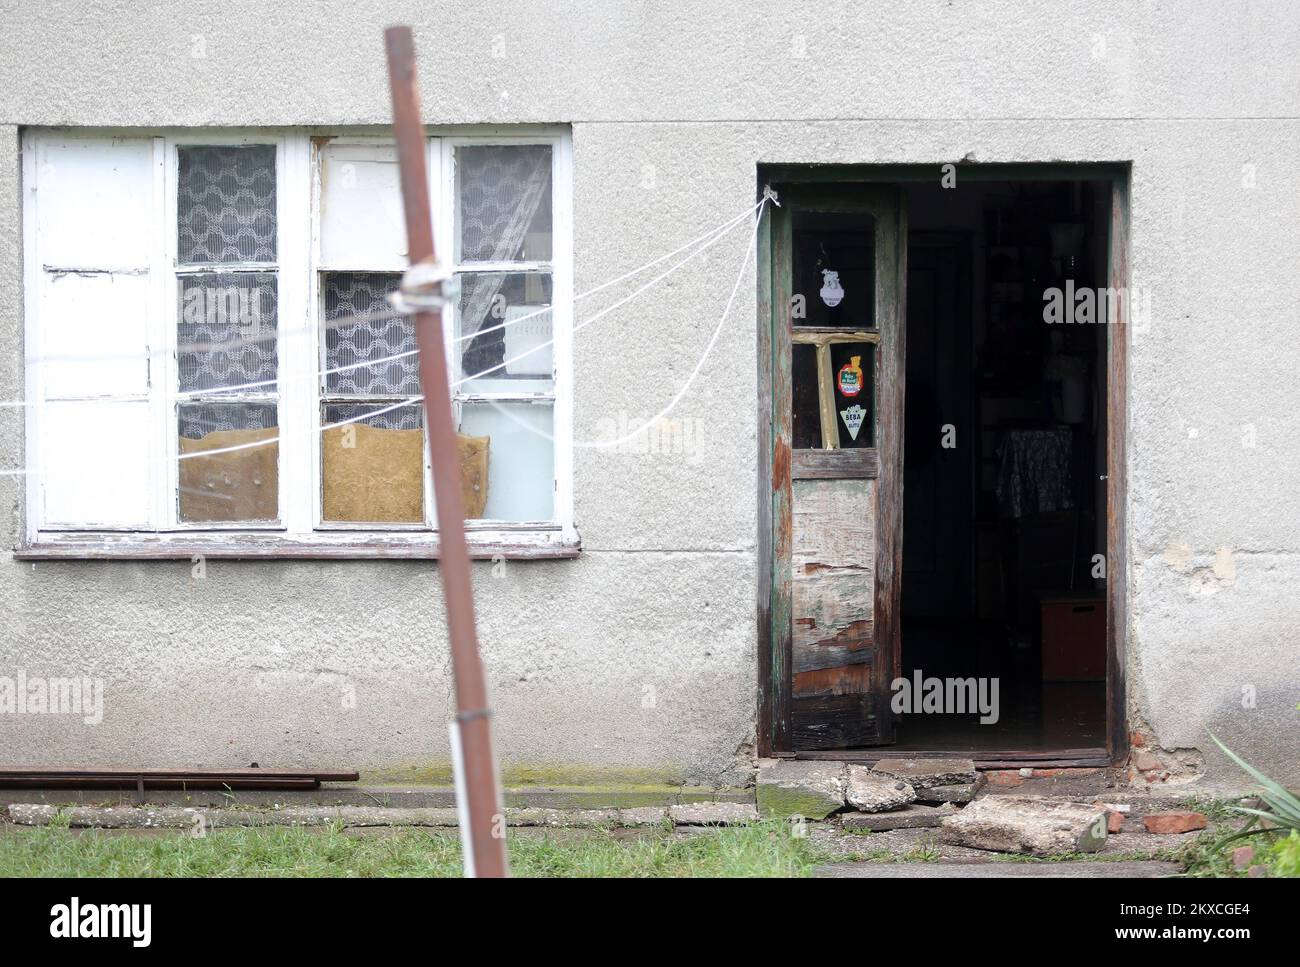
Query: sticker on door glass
[(832, 292), (849, 379), (853, 418)]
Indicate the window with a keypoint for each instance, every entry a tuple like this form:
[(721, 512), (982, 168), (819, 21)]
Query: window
[(503, 327), (215, 363), (226, 283)]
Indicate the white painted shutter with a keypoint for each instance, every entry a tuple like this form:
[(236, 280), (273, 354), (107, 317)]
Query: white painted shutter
[(361, 220), (95, 210)]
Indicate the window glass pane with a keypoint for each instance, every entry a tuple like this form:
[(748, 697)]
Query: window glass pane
[(227, 329), (382, 334), (834, 269), (853, 375), (225, 205), (517, 441), (373, 470), (503, 202), (508, 321), (807, 430), (237, 485)]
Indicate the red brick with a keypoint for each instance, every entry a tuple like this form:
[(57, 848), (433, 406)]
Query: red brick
[(1242, 857), (1145, 761), (1003, 777), (1114, 822), (1174, 821)]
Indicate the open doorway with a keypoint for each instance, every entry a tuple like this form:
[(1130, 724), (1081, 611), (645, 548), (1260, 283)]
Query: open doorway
[(1005, 523), (942, 470)]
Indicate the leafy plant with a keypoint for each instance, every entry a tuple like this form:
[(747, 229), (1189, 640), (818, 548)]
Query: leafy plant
[(1283, 811), (1284, 857)]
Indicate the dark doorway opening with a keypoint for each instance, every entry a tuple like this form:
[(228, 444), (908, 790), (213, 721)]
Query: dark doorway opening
[(1005, 524)]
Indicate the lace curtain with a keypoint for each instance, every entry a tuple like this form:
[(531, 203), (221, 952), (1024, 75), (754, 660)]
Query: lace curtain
[(501, 190)]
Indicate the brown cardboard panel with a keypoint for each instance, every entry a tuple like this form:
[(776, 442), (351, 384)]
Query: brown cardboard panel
[(473, 473), (380, 478), (236, 486)]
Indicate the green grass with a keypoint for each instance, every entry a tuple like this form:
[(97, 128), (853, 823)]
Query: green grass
[(758, 850)]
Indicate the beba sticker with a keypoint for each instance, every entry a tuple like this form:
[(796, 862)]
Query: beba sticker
[(850, 378), (853, 418)]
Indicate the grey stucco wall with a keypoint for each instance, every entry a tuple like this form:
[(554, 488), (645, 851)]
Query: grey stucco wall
[(248, 664)]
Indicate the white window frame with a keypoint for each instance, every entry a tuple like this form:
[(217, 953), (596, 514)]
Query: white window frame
[(300, 531)]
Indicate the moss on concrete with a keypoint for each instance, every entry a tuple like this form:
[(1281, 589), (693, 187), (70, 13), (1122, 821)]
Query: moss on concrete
[(785, 801), (528, 774), (567, 787)]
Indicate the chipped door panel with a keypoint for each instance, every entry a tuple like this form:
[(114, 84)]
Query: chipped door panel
[(833, 588)]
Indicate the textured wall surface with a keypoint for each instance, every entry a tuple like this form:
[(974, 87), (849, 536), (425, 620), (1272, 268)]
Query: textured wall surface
[(672, 111)]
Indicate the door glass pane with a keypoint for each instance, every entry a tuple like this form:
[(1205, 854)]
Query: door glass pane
[(807, 430), (240, 481), (853, 376), (372, 470), (835, 269), (225, 204), (503, 203)]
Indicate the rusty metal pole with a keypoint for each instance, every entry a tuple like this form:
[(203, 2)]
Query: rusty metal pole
[(485, 840)]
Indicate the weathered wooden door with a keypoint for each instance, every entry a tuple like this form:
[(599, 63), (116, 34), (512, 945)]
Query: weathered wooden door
[(837, 345)]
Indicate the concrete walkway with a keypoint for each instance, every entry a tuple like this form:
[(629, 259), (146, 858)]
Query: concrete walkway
[(1094, 870)]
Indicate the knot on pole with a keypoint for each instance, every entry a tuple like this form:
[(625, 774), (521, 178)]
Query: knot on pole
[(425, 285)]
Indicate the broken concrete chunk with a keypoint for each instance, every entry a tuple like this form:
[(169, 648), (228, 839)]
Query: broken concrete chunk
[(1015, 824), (964, 792), (926, 773), (792, 787), (874, 793), (32, 814), (713, 813), (912, 816)]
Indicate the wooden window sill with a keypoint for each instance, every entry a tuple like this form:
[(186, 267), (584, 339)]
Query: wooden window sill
[(351, 545)]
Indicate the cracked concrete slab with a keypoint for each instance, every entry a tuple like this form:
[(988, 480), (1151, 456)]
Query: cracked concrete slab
[(925, 773), (912, 816), (1043, 827), (791, 787)]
